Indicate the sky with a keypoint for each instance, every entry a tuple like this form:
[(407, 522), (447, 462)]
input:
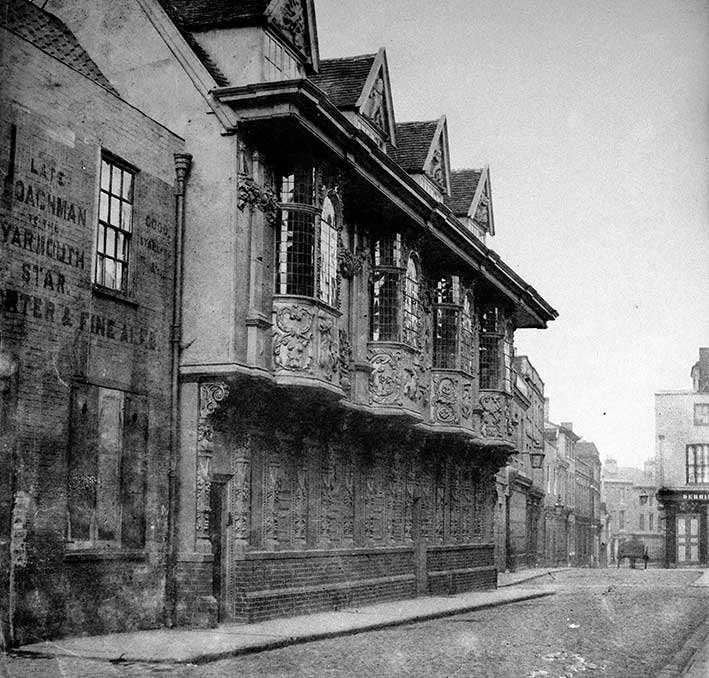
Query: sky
[(594, 120)]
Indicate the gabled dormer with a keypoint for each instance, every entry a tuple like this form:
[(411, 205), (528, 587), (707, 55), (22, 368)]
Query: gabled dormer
[(250, 42), (471, 200), (359, 87), (422, 150)]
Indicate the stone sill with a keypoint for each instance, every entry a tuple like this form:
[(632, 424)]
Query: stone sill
[(86, 555), (326, 553)]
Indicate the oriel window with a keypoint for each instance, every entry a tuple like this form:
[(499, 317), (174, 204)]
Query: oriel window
[(412, 305), (306, 239), (490, 348), (447, 318), (386, 289), (115, 225)]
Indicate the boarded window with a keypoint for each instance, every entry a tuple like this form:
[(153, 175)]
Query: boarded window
[(107, 467)]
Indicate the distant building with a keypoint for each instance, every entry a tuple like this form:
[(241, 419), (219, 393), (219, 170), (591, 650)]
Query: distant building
[(629, 497), (682, 459), (588, 503), (519, 533)]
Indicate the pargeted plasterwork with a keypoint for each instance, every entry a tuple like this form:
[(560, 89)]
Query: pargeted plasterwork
[(445, 400), (293, 338), (211, 395), (496, 420), (291, 20)]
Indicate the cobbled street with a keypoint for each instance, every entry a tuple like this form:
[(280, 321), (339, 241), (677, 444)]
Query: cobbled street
[(611, 623)]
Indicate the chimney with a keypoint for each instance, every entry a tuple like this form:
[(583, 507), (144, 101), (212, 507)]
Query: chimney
[(700, 371)]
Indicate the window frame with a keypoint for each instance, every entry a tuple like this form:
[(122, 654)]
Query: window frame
[(121, 233), (701, 414), (697, 472), (491, 358), (99, 497), (302, 261), (385, 323)]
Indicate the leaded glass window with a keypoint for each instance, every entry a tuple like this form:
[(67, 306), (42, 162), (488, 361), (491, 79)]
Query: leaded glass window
[(446, 319), (412, 309), (328, 254), (490, 347), (467, 336), (386, 289)]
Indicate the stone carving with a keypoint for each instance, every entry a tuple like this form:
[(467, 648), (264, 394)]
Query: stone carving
[(252, 194), (482, 213), (271, 499), (374, 106), (437, 167), (210, 396), (344, 361), (495, 419), (446, 390), (349, 264), (292, 21), (329, 359), (300, 505), (385, 378), (241, 489), (466, 402), (292, 338)]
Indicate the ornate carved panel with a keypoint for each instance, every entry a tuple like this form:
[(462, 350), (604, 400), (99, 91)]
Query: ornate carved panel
[(293, 337), (241, 489), (291, 20), (210, 397), (385, 378), (445, 400), (495, 418), (329, 354), (253, 195)]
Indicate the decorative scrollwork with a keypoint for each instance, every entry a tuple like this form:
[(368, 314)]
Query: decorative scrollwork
[(446, 400), (263, 197), (385, 378), (292, 338), (345, 360), (329, 358), (496, 421)]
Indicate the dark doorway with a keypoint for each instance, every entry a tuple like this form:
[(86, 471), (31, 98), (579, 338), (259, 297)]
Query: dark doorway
[(217, 535)]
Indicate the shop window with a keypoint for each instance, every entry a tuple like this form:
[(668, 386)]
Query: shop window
[(306, 240), (697, 458), (106, 467), (386, 286), (115, 224)]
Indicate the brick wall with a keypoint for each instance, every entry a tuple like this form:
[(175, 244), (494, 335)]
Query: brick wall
[(54, 124)]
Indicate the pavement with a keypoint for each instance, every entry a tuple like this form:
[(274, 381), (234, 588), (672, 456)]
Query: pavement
[(692, 659), (178, 646)]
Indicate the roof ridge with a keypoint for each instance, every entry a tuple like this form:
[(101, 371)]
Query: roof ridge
[(350, 58)]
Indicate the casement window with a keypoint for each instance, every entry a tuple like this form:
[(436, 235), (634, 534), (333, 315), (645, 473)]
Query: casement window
[(278, 62), (306, 240), (453, 338), (701, 414), (494, 351), (412, 305), (386, 286), (106, 468), (115, 224), (697, 457)]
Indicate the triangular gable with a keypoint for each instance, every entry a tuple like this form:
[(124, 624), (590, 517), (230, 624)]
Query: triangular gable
[(481, 206), (375, 102), (437, 166), (295, 21)]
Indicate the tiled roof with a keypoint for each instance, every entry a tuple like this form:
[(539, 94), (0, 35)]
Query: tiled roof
[(464, 183), (200, 14), (343, 79), (50, 35), (413, 141)]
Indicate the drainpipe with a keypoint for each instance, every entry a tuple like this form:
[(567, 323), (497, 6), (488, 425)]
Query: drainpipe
[(183, 161)]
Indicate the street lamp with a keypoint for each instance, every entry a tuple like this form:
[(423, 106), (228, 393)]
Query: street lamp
[(537, 459)]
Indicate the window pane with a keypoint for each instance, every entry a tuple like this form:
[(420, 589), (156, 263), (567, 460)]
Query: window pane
[(115, 180), (103, 207), (115, 213), (99, 269), (110, 250), (127, 192), (327, 280), (411, 305), (109, 273), (296, 249), (105, 175), (385, 306), (126, 217), (119, 276)]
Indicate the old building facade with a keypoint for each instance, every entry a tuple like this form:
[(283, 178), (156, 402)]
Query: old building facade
[(588, 504), (633, 510), (86, 246), (337, 375), (682, 468), (519, 533)]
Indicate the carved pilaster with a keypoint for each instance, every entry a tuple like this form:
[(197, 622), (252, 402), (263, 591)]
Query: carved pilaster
[(211, 396)]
